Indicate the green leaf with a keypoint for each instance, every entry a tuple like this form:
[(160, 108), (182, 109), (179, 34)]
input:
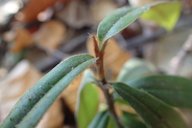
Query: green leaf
[(117, 21), (134, 69), (154, 112), (35, 102), (88, 101), (132, 121), (101, 120), (111, 123), (173, 90), (165, 15)]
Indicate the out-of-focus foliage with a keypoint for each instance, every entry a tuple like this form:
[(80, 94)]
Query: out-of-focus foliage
[(88, 100), (165, 15), (135, 69)]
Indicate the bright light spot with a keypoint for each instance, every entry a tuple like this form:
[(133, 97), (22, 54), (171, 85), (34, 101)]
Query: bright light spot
[(45, 15), (10, 7)]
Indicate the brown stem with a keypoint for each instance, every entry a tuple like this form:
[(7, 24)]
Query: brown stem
[(110, 103), (103, 82)]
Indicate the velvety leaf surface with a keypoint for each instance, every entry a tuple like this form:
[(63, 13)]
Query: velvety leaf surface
[(154, 112), (117, 21), (88, 101), (174, 90), (35, 102)]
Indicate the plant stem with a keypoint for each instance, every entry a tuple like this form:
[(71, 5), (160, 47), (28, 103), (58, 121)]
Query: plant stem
[(177, 62), (111, 107), (103, 82)]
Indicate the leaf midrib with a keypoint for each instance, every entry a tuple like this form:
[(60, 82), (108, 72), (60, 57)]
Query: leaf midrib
[(148, 108)]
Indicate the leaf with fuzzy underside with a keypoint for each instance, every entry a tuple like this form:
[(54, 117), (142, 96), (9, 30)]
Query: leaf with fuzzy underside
[(35, 102), (117, 21)]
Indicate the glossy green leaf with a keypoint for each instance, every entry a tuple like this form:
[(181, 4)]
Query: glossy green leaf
[(35, 102), (154, 112), (174, 90), (165, 15), (117, 21), (88, 101), (132, 121), (101, 120), (134, 69)]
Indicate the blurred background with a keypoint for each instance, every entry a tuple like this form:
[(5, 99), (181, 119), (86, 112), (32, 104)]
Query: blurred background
[(35, 35)]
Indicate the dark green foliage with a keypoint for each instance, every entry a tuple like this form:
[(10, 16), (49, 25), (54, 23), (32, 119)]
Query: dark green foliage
[(154, 112), (174, 90)]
